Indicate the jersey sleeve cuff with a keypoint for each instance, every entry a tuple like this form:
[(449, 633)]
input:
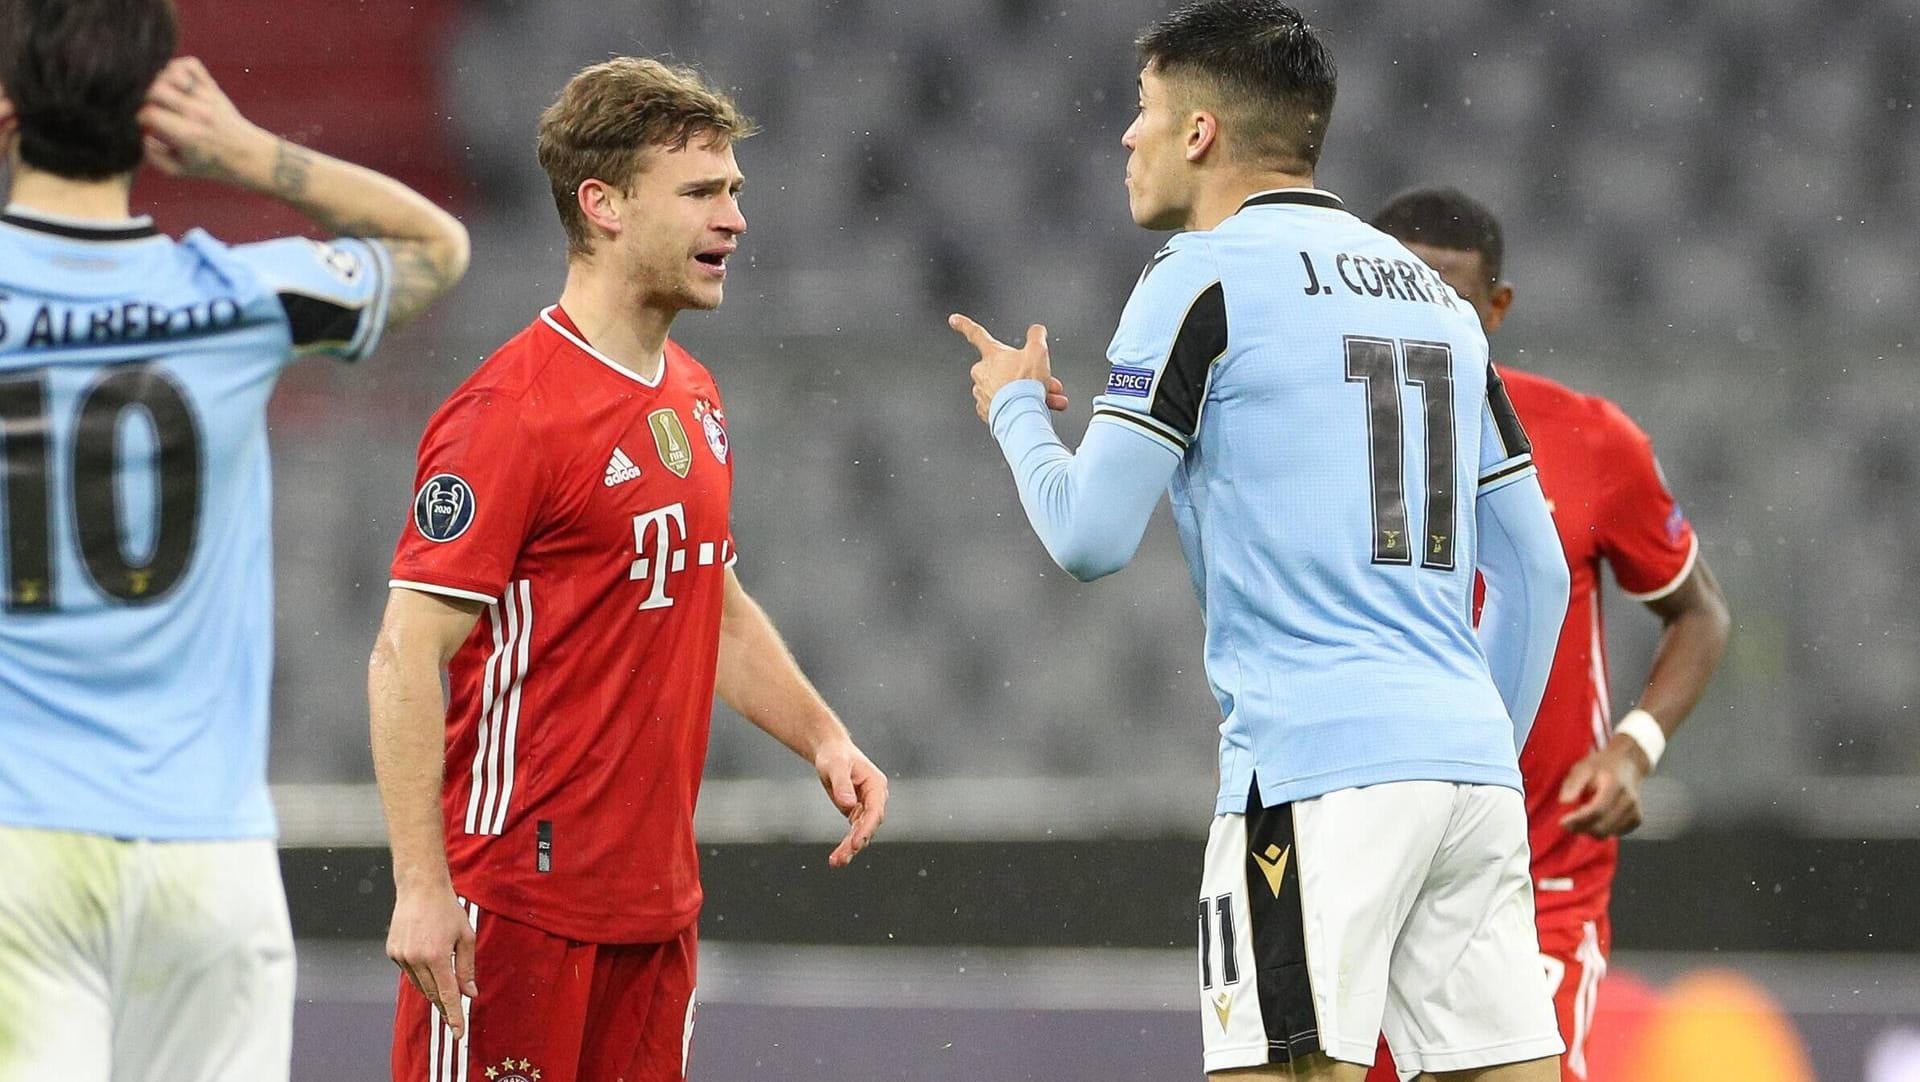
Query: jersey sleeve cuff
[(373, 322), (1143, 422), (1505, 473), (445, 591), (1686, 569), (1020, 390)]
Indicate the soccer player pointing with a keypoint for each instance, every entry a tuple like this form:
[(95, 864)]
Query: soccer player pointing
[(569, 564), (1342, 458)]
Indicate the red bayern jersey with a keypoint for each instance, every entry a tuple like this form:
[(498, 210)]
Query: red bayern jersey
[(1611, 504), (588, 508)]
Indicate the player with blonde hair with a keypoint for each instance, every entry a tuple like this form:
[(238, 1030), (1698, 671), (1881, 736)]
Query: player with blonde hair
[(569, 565)]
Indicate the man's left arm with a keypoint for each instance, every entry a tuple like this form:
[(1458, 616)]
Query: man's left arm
[(759, 678), (1655, 555)]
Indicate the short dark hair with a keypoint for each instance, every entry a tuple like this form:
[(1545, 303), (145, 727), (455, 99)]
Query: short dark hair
[(1269, 67), (1445, 218), (77, 72)]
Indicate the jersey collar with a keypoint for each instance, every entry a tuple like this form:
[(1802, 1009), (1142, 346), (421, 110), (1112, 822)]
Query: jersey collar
[(563, 326), (60, 225), (1296, 197)]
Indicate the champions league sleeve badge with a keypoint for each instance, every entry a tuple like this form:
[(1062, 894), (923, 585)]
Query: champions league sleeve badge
[(444, 508), (713, 423)]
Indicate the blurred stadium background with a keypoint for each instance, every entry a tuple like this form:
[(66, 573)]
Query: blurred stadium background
[(1709, 206)]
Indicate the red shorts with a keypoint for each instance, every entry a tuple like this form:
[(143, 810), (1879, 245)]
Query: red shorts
[(556, 1010), (1575, 956)]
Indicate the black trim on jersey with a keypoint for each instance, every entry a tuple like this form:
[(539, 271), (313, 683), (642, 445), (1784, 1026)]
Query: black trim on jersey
[(1279, 931), (1315, 198), (1513, 435), (1505, 472), (1145, 424), (1159, 257), (73, 231), (318, 320), (1201, 340)]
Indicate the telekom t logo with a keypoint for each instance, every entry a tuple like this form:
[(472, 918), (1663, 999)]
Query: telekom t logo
[(661, 547), (654, 530)]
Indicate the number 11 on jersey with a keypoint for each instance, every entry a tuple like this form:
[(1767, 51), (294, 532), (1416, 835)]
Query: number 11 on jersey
[(1374, 362)]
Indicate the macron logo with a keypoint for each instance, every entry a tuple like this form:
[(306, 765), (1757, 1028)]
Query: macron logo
[(620, 469)]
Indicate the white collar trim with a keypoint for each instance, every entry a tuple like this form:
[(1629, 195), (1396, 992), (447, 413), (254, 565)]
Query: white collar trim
[(546, 316)]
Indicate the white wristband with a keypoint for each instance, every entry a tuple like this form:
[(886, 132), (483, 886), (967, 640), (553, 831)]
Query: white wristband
[(1644, 731)]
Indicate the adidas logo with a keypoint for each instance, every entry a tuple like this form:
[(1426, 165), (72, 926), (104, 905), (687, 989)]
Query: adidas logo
[(620, 468)]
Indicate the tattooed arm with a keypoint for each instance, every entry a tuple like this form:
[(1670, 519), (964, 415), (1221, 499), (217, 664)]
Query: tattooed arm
[(193, 129)]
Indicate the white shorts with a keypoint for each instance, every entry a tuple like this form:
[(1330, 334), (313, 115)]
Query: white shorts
[(1404, 907), (135, 960)]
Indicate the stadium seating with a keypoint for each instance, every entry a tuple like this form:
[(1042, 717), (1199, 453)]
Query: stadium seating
[(1707, 214)]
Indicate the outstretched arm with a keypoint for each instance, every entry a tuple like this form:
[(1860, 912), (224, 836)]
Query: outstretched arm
[(760, 680), (194, 130)]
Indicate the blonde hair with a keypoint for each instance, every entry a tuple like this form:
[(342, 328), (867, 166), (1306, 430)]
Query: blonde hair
[(611, 113)]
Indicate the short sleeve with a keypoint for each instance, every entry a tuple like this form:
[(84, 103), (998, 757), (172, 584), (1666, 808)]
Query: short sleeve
[(333, 294), (1506, 454), (475, 500), (1643, 533), (1173, 330)]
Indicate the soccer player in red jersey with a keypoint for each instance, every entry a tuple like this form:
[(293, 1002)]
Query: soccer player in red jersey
[(1581, 768), (569, 564)]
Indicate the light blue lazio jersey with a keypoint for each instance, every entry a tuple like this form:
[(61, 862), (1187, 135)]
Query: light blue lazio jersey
[(136, 637), (1336, 418)]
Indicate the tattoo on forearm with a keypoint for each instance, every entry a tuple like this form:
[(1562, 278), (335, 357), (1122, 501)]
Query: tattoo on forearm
[(291, 166), (419, 278), (202, 163), (421, 268)]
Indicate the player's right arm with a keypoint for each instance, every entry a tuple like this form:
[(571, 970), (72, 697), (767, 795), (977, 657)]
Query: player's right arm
[(193, 129), (1521, 559), (1090, 508), (477, 493), (429, 939)]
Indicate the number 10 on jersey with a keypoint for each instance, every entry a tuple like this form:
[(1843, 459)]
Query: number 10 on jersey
[(1375, 364)]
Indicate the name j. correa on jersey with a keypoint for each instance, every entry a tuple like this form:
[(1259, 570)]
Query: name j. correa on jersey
[(53, 326), (1389, 279)]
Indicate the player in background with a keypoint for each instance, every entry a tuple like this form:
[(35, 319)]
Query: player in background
[(143, 928), (1341, 458), (570, 565), (1583, 769)]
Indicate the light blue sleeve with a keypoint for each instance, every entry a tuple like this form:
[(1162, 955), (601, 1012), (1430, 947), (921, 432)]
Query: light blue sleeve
[(1089, 509), (1527, 581), (1170, 335), (334, 294)]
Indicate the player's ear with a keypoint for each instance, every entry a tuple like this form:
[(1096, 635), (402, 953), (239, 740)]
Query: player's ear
[(1203, 131), (1498, 302), (599, 205)]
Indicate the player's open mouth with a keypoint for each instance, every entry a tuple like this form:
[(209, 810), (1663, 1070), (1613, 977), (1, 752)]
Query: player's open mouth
[(715, 260)]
